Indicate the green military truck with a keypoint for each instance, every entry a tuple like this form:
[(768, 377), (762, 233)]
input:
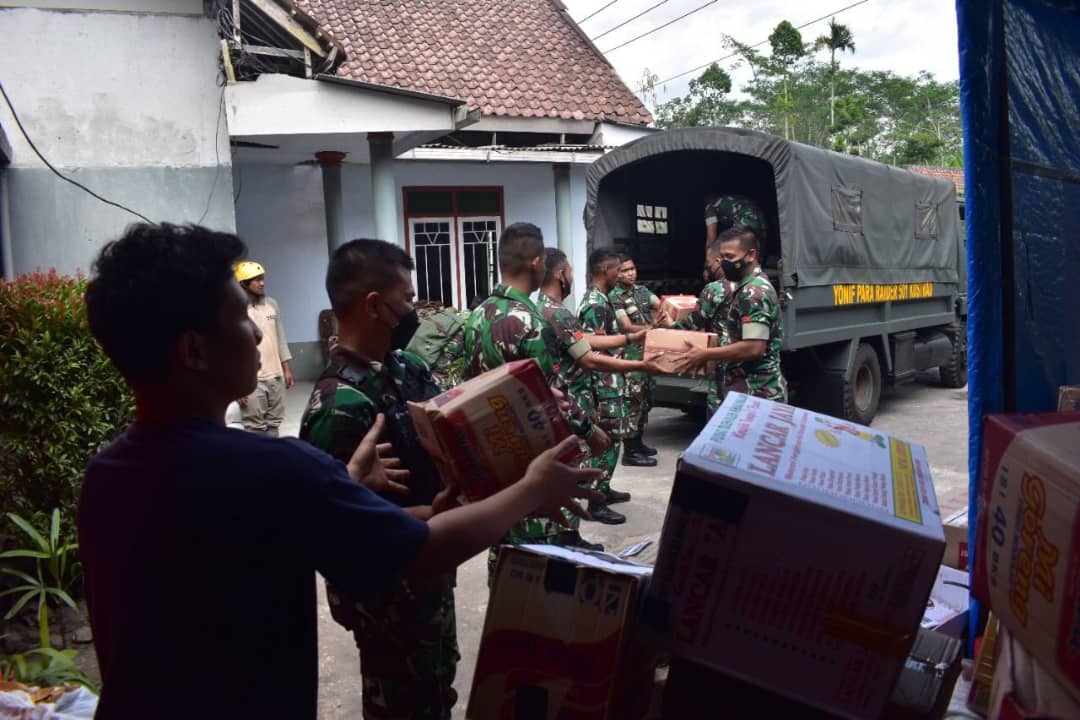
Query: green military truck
[(867, 259)]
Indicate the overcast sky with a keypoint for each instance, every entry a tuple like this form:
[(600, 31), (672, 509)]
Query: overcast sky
[(904, 36)]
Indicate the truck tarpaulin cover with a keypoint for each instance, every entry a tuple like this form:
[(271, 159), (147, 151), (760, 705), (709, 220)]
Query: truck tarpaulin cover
[(843, 219), (1019, 85)]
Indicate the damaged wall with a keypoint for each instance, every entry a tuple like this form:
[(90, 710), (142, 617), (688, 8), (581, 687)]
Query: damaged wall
[(126, 103)]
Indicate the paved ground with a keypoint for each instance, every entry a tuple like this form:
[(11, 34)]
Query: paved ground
[(921, 412)]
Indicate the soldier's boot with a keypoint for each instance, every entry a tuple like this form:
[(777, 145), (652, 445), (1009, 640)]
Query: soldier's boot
[(645, 449), (634, 456), (604, 514), (614, 496), (572, 538)]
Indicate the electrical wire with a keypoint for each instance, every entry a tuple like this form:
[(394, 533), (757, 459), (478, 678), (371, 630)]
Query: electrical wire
[(646, 11), (661, 27), (217, 154), (65, 178), (763, 42), (597, 12)]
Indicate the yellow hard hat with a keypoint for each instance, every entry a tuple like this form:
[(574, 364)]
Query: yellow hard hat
[(248, 269)]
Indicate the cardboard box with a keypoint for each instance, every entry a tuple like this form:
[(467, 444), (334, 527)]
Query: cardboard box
[(483, 433), (926, 683), (947, 607), (983, 672), (559, 638), (678, 307), (1022, 688), (956, 540), (797, 553), (666, 346), (1027, 558), (1069, 398)]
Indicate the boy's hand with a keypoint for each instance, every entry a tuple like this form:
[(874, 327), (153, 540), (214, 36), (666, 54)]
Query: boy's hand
[(598, 441), (447, 499), (554, 485), (372, 466)]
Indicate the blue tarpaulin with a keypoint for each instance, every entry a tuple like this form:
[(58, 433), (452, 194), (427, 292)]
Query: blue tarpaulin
[(1020, 102)]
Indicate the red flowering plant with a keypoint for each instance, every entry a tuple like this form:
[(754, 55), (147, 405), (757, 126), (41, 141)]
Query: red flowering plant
[(61, 399)]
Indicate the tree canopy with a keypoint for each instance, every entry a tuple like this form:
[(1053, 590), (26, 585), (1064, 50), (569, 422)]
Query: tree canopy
[(800, 91)]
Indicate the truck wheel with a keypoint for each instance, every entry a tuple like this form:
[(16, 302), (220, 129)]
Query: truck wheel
[(862, 386), (954, 372)]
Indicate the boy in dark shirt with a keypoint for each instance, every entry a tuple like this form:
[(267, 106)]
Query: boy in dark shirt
[(200, 543)]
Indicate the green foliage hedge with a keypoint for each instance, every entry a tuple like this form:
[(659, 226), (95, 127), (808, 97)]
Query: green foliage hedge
[(61, 399)]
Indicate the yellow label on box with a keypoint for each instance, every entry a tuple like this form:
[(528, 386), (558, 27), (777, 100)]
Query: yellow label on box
[(905, 494)]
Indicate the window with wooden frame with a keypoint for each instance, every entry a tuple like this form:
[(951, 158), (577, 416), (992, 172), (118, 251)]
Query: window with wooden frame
[(452, 234)]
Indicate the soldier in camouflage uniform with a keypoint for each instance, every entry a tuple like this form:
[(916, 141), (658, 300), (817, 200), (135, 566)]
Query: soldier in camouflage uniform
[(407, 634), (597, 316), (754, 324), (508, 326), (723, 212), (712, 316), (636, 306), (578, 363)]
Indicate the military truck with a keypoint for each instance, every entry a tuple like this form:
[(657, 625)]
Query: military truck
[(867, 259)]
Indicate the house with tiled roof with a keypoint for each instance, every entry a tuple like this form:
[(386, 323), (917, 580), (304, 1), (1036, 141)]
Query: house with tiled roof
[(301, 124), (432, 124)]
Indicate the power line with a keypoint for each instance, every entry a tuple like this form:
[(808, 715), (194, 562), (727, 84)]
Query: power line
[(627, 22), (759, 44), (56, 172), (594, 14), (217, 153), (661, 27)]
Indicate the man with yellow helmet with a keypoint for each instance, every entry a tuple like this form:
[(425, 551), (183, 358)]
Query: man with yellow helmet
[(264, 409)]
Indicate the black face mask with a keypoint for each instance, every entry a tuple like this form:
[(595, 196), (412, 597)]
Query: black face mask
[(564, 287), (403, 332), (733, 269)]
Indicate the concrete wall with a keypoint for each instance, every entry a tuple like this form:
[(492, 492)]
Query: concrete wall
[(127, 103), (280, 214)]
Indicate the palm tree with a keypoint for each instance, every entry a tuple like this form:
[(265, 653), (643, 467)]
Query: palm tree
[(839, 38)]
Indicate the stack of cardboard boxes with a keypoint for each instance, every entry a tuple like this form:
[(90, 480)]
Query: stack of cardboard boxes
[(1027, 560)]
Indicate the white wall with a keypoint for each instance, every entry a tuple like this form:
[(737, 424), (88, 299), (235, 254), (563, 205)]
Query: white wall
[(128, 104), (178, 7), (280, 214)]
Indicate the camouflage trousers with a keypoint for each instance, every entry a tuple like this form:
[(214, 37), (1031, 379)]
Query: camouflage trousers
[(638, 402), (408, 655), (606, 462), (715, 397), (771, 387), (530, 531)]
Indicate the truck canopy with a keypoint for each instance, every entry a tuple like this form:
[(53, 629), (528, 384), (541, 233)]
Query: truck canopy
[(833, 218)]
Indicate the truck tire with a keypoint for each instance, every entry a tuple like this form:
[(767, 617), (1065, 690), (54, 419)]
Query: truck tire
[(862, 386), (954, 373)]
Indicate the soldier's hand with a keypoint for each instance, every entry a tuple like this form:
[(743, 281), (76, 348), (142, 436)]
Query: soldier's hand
[(694, 358), (560, 398), (555, 485), (447, 499), (654, 368), (637, 337), (598, 441), (372, 466)]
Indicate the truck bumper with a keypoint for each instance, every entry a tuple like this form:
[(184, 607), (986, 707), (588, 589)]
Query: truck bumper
[(680, 392)]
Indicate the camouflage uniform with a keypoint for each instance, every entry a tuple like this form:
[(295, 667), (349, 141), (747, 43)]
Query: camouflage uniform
[(597, 316), (407, 634), (712, 316), (755, 304), (447, 367), (729, 211), (508, 326), (637, 304)]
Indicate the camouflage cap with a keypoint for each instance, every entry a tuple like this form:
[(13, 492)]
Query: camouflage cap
[(737, 211)]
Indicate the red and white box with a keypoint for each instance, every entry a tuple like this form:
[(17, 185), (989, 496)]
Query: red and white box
[(797, 554), (956, 540), (1027, 553), (483, 433), (678, 307)]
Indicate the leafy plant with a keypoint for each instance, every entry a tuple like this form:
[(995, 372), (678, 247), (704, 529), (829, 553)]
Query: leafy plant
[(45, 667), (61, 399), (56, 573)]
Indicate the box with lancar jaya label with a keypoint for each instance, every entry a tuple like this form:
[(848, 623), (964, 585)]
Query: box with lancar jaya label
[(797, 554)]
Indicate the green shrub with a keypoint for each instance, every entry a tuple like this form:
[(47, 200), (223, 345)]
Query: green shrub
[(61, 399)]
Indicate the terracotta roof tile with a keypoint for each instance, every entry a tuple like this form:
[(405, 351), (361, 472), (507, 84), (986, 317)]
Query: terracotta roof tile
[(518, 58), (954, 175)]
